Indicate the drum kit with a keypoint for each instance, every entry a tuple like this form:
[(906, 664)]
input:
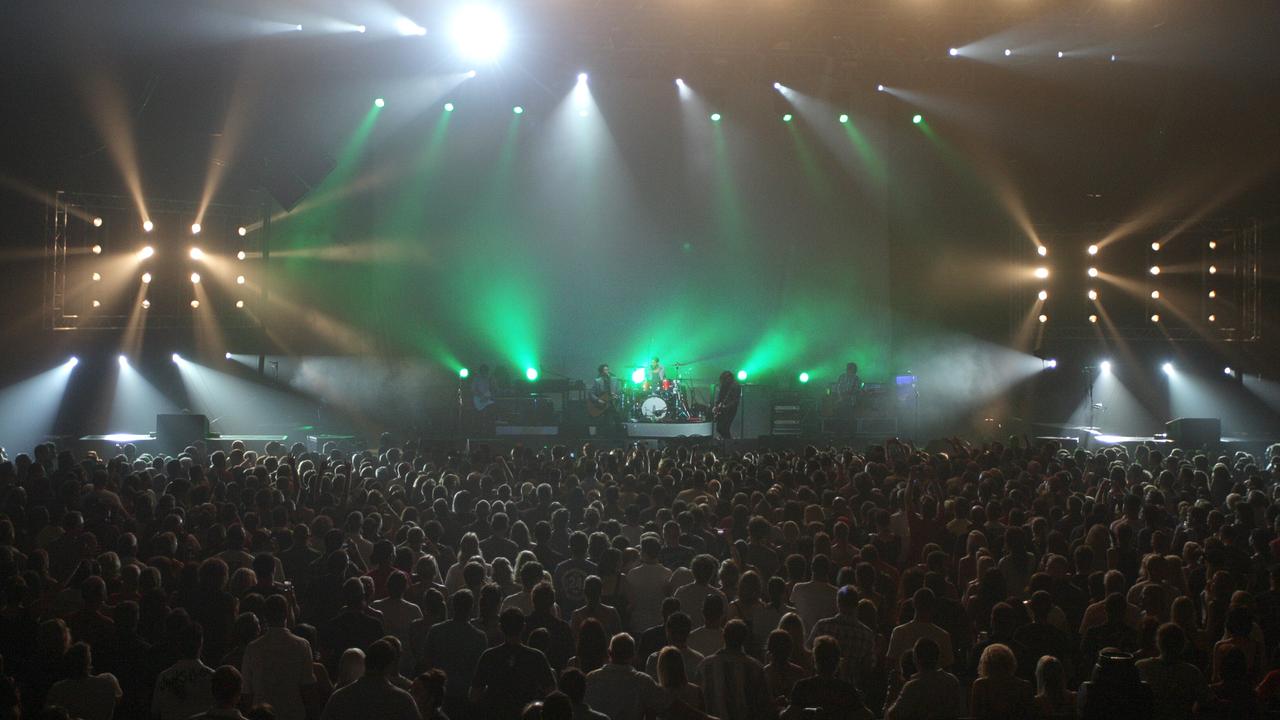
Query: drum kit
[(658, 402)]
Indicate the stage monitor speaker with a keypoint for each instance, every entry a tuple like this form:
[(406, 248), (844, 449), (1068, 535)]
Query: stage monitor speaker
[(755, 413), (176, 431), (1195, 432)]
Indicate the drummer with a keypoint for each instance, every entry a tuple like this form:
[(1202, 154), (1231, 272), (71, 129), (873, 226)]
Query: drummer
[(655, 375)]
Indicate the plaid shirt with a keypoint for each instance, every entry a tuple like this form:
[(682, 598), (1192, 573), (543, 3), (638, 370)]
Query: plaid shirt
[(857, 643)]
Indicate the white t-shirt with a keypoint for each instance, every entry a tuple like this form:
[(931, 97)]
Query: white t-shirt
[(646, 589), (276, 667)]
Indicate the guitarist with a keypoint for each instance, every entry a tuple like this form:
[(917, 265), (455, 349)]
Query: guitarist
[(600, 403), (728, 395)]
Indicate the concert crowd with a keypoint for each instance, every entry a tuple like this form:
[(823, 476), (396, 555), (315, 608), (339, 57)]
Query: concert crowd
[(409, 582)]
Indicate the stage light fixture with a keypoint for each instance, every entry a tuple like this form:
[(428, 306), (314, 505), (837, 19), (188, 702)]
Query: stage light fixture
[(239, 304), (804, 377), (297, 28), (148, 226), (1213, 269), (405, 26), (1105, 367), (777, 86), (1113, 58), (637, 376), (195, 278), (1225, 371), (97, 303), (480, 32), (715, 117), (1042, 250), (680, 82), (242, 231), (1050, 364), (844, 119), (917, 119), (470, 74), (1093, 294), (464, 373), (195, 228), (96, 249), (1007, 52), (1093, 319), (786, 118), (1043, 295), (72, 361), (742, 375), (1043, 319), (518, 110), (195, 304), (361, 28), (379, 102), (1213, 318), (1155, 294), (1042, 272), (531, 373), (124, 361), (239, 279), (1213, 294), (1093, 250), (196, 253), (1093, 272), (1167, 368), (1155, 247), (226, 356), (1213, 244), (1061, 54), (953, 52), (241, 255), (448, 107), (97, 222), (176, 358), (1155, 317), (146, 278), (146, 304), (97, 277), (879, 88), (1155, 270), (146, 252)]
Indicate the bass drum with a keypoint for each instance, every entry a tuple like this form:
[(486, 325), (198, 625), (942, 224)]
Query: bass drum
[(654, 407)]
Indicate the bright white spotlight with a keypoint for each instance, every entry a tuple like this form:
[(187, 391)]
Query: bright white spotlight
[(74, 361), (1042, 272), (1050, 363), (1007, 52), (1155, 317), (471, 74), (96, 303), (124, 361), (239, 279), (1225, 371), (196, 253), (176, 358), (1155, 294), (405, 26), (298, 28), (195, 228), (582, 78), (1042, 251), (1093, 319), (1093, 249), (96, 249), (97, 277), (777, 86), (679, 82), (148, 226), (227, 356), (1213, 318), (97, 222), (1213, 269), (146, 252), (239, 304), (146, 278), (241, 255), (1043, 295), (480, 32), (1167, 368), (953, 52), (195, 278), (361, 28), (242, 231), (1093, 272), (1105, 367), (1155, 247), (1093, 294), (1061, 54), (1213, 245), (880, 88), (1113, 58), (195, 304), (1155, 270), (146, 304), (1043, 319), (1213, 294)]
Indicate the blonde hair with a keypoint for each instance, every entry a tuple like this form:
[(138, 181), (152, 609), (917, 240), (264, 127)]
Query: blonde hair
[(997, 661)]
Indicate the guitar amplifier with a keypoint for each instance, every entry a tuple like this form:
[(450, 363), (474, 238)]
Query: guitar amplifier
[(174, 432), (1195, 432)]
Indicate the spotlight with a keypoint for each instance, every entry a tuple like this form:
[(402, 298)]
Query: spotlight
[(226, 356), (1093, 272), (1113, 58), (97, 222), (124, 361), (1042, 251), (1043, 319), (786, 118), (1007, 52), (464, 373), (1213, 269), (1155, 270), (195, 228), (777, 86), (1061, 54), (479, 32), (1167, 368), (359, 29), (804, 377), (518, 110), (1213, 294), (146, 252), (1225, 371), (742, 375), (531, 373), (195, 278), (239, 304), (241, 255), (1213, 244), (72, 361), (96, 249), (448, 107), (146, 304), (879, 88), (1155, 294), (176, 358), (1093, 250), (1093, 294), (637, 376), (1043, 295), (1155, 317), (242, 231), (195, 304), (917, 119), (680, 82), (405, 26), (297, 28), (471, 74), (1213, 318), (239, 279), (844, 119), (953, 52), (715, 117), (1042, 272), (1050, 364), (148, 226), (146, 278), (97, 277), (379, 102), (97, 303), (1105, 367), (1155, 247), (1093, 319), (196, 253)]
